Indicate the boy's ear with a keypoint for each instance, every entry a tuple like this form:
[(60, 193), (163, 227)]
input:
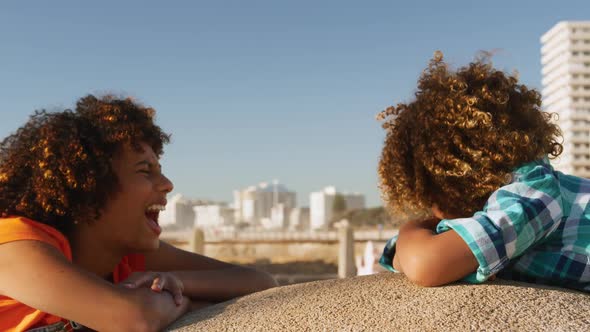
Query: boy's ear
[(437, 212)]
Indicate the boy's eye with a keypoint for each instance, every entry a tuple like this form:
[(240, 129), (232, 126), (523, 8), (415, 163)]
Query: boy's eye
[(144, 171)]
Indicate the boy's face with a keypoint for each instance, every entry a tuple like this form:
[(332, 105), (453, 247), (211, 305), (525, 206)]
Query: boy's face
[(129, 220)]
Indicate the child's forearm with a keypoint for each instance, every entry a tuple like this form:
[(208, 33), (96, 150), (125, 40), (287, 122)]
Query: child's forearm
[(199, 304), (427, 224), (414, 230), (396, 264), (413, 237), (431, 259), (223, 284)]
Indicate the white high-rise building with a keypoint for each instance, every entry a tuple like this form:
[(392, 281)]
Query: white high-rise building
[(264, 202), (213, 215), (179, 213), (321, 206), (565, 56), (299, 219)]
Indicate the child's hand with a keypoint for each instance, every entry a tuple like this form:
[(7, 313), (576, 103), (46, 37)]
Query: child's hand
[(157, 282)]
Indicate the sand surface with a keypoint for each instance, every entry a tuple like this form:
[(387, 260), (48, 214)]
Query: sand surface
[(388, 302)]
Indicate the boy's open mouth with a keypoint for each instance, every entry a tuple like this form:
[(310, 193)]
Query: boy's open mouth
[(152, 213)]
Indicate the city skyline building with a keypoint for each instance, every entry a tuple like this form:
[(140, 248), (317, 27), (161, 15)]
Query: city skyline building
[(179, 212), (299, 219), (213, 215), (565, 57), (321, 205), (255, 204), (270, 207)]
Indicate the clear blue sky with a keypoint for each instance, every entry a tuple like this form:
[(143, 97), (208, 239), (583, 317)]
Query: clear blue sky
[(257, 90)]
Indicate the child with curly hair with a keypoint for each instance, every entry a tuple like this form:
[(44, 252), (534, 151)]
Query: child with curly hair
[(80, 194), (470, 154)]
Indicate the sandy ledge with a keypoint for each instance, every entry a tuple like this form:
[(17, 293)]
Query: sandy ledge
[(388, 302)]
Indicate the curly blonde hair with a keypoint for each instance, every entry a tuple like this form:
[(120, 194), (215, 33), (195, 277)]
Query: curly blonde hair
[(56, 169), (460, 138)]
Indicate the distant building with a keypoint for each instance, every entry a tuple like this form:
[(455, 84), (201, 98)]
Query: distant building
[(321, 205), (299, 219), (565, 56), (213, 215), (255, 204), (179, 212)]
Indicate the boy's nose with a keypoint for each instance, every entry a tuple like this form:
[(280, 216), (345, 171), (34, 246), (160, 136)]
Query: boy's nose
[(166, 185)]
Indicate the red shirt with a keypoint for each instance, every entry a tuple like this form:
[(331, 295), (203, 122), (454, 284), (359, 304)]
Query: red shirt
[(15, 316)]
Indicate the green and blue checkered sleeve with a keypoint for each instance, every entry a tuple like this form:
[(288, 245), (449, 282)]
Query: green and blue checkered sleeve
[(515, 218)]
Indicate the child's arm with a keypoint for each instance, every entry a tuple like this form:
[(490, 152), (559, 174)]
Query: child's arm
[(206, 278), (38, 275), (430, 259)]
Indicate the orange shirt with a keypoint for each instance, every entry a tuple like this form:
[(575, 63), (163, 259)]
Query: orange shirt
[(15, 316)]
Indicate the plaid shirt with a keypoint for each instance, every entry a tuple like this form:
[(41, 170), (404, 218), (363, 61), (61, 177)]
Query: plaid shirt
[(535, 229)]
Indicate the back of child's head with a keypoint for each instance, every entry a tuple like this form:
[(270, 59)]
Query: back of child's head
[(56, 169), (460, 138)]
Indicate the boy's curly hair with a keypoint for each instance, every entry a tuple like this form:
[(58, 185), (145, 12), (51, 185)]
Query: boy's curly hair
[(56, 169), (460, 138)]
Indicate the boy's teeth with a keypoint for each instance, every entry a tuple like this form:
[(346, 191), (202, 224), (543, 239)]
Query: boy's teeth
[(156, 207)]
